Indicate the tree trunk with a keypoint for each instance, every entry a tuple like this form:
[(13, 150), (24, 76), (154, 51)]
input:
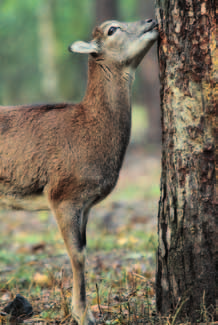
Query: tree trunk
[(106, 9), (47, 51), (185, 276)]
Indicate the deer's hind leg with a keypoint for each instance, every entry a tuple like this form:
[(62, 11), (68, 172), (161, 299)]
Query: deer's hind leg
[(72, 223)]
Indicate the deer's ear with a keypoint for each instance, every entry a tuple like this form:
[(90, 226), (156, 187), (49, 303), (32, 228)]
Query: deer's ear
[(84, 47)]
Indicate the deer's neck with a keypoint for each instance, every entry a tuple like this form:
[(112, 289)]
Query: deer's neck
[(108, 87)]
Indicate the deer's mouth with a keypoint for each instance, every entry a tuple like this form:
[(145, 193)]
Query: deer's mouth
[(154, 26)]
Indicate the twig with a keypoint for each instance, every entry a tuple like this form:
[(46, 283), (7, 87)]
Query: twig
[(139, 276), (109, 299), (98, 299), (128, 307), (178, 310), (65, 318)]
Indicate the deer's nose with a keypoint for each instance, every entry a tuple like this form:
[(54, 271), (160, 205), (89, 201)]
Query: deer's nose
[(149, 20)]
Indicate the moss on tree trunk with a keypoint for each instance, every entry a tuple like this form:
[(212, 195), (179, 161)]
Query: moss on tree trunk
[(186, 217)]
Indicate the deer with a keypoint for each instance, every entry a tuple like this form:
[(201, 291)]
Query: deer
[(67, 157)]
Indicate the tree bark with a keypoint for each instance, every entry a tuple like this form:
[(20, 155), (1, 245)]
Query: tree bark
[(185, 277)]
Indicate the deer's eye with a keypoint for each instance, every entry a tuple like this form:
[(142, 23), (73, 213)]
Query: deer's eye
[(112, 30)]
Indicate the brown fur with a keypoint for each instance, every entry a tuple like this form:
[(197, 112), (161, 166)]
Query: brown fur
[(71, 153)]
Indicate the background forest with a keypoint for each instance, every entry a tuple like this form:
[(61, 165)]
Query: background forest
[(36, 67)]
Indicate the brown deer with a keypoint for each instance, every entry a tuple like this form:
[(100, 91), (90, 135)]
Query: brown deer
[(72, 153)]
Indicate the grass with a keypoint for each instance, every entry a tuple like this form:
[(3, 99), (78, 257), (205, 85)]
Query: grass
[(120, 277), (116, 256)]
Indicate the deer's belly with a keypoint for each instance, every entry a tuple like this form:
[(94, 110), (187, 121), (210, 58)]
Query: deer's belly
[(29, 203)]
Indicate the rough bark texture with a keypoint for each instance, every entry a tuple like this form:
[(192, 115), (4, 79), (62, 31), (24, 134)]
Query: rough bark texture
[(186, 218)]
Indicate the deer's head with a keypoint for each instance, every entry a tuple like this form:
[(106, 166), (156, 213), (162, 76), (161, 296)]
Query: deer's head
[(121, 44)]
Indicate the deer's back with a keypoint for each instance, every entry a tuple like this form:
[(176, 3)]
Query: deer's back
[(61, 149)]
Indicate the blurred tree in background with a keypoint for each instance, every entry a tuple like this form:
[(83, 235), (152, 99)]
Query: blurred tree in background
[(36, 67), (106, 9), (35, 36)]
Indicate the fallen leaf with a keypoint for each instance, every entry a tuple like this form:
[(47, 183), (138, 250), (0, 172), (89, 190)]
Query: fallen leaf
[(42, 279), (6, 296), (133, 239), (108, 309), (38, 247), (122, 241)]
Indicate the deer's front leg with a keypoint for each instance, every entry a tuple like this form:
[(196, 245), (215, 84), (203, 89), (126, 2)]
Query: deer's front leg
[(70, 218)]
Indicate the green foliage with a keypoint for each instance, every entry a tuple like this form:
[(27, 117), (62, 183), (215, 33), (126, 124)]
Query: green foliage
[(20, 47), (21, 61), (128, 9)]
